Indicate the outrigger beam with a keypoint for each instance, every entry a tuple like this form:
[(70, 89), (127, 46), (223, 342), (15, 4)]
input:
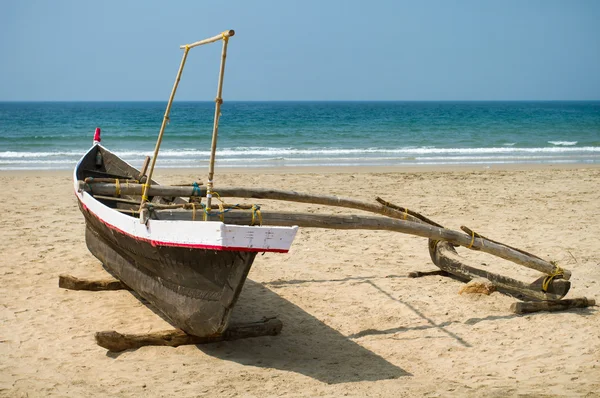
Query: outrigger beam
[(405, 222)]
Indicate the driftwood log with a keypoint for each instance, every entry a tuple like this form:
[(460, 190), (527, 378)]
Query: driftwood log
[(552, 305), (72, 283), (117, 342)]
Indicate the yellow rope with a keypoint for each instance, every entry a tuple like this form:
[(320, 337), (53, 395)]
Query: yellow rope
[(225, 38), (145, 192), (193, 211), (405, 213), (117, 188), (218, 196), (221, 212), (256, 214), (548, 280), (472, 240)]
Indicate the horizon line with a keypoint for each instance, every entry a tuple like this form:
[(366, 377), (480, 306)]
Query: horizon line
[(317, 100)]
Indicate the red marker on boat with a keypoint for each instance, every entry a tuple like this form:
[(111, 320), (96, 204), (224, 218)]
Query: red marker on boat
[(97, 136)]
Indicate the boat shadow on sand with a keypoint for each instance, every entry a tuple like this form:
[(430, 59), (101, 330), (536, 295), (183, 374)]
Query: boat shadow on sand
[(306, 345)]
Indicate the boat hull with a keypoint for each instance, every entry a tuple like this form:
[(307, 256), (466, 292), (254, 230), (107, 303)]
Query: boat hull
[(191, 271), (195, 289)]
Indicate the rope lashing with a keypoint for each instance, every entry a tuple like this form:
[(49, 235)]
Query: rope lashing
[(256, 215), (219, 101), (558, 272), (207, 211), (145, 192), (473, 236), (472, 240), (195, 189), (406, 213), (225, 38), (218, 196), (117, 188), (221, 212)]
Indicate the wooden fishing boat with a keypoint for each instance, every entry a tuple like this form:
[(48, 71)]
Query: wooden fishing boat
[(192, 271), (191, 261)]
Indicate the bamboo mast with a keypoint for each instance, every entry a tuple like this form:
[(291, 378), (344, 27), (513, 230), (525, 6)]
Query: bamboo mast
[(223, 36), (218, 102), (163, 125)]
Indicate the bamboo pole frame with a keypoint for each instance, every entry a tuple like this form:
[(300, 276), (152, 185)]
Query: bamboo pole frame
[(215, 134), (222, 36), (225, 35)]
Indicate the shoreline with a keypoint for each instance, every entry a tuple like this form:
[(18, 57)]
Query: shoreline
[(338, 169)]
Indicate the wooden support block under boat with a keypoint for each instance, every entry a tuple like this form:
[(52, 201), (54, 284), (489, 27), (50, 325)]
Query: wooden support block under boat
[(420, 274), (552, 305), (117, 342), (72, 283), (445, 256)]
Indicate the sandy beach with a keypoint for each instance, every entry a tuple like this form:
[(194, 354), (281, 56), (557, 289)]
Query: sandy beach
[(354, 323)]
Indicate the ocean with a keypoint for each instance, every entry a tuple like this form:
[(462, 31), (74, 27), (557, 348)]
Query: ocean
[(53, 135)]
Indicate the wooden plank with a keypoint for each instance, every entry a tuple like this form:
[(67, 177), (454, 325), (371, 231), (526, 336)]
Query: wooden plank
[(72, 283), (420, 274), (144, 168), (117, 342), (94, 173), (553, 305), (120, 200), (128, 211)]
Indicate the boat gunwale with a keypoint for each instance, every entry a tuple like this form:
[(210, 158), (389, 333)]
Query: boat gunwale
[(86, 201)]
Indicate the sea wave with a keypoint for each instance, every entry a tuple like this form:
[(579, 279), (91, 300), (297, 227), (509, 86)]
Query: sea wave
[(270, 152), (25, 154), (563, 143)]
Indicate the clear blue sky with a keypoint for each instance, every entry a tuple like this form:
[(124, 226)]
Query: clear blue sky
[(302, 50)]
